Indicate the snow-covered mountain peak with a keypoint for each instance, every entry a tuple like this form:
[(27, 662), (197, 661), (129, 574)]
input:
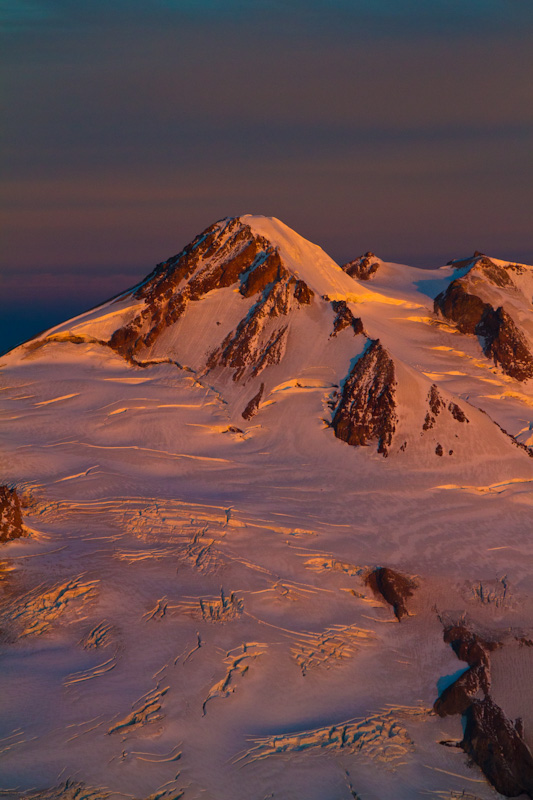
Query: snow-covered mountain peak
[(222, 492), (256, 312), (303, 258)]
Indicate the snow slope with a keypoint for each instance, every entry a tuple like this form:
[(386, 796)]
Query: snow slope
[(211, 466)]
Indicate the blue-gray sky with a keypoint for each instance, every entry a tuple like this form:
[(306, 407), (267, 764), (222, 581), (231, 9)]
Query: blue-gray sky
[(400, 126)]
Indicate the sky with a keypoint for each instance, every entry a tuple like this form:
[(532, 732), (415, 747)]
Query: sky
[(398, 126)]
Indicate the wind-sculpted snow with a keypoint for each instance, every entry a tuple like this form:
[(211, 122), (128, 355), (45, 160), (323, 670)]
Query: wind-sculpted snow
[(146, 712), (77, 790), (210, 578), (237, 662), (381, 738), (218, 609), (35, 612), (328, 646)]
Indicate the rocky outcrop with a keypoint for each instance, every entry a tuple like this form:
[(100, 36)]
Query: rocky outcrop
[(394, 587), (253, 406), (303, 294), (457, 413), (344, 318), (469, 647), (362, 268), (436, 404), (483, 266), (225, 254), (493, 741), (497, 746), (501, 339), (256, 343), (461, 307), (367, 409), (505, 344), (11, 526)]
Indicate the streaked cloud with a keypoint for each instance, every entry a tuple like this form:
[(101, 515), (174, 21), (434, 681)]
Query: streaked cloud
[(401, 127)]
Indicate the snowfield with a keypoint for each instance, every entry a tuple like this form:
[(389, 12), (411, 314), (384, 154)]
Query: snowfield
[(211, 469)]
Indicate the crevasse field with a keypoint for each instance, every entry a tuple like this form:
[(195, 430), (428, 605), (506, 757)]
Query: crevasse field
[(211, 466)]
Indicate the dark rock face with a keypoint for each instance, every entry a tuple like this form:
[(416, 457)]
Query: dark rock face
[(251, 345), (493, 742), (362, 268), (469, 647), (224, 254), (505, 344), (465, 309), (487, 268), (497, 747), (502, 340), (366, 411), (227, 254), (393, 587), (10, 515), (436, 404), (303, 294), (344, 318), (253, 405), (457, 413), (456, 698)]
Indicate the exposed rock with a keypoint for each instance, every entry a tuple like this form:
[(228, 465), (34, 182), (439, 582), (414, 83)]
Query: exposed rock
[(439, 451), (436, 403), (457, 413), (366, 411), (483, 266), (10, 515), (224, 254), (497, 747), (465, 309), (394, 587), (362, 268), (253, 405), (262, 272), (344, 318), (254, 344), (303, 294), (493, 742), (505, 344), (457, 697), (501, 338), (64, 337), (497, 275), (469, 647)]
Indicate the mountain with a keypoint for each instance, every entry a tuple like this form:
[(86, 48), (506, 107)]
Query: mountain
[(263, 502), (248, 297)]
